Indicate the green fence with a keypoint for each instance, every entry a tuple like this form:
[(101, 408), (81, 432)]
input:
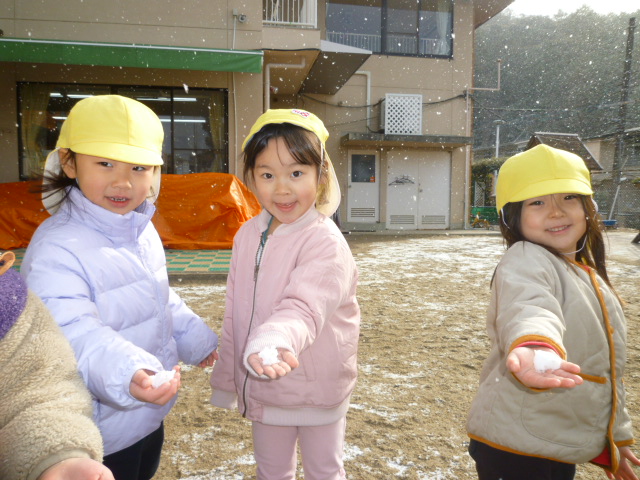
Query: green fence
[(485, 213)]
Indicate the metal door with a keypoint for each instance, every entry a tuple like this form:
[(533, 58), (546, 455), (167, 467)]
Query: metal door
[(363, 197)]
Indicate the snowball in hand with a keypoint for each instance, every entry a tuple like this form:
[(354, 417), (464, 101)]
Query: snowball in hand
[(544, 360), (161, 378), (269, 355)]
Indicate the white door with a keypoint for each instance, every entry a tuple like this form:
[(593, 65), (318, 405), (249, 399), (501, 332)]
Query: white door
[(363, 197), (402, 194), (434, 191), (419, 191)]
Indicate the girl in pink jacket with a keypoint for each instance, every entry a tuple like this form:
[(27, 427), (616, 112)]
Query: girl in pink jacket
[(290, 332)]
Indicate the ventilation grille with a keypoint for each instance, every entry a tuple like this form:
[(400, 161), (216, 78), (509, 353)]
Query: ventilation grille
[(434, 220), (402, 114), (402, 220), (363, 212)]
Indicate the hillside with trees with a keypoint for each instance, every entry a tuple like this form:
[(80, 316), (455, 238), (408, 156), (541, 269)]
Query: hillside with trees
[(559, 74)]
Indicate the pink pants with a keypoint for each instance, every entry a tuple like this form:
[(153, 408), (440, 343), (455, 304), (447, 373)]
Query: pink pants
[(321, 449)]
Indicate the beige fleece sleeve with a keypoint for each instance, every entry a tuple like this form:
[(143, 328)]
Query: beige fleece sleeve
[(45, 409)]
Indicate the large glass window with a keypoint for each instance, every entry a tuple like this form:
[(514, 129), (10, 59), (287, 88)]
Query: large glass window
[(395, 27), (195, 123)]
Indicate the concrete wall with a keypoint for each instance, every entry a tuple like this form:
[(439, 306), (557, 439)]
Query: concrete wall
[(202, 23)]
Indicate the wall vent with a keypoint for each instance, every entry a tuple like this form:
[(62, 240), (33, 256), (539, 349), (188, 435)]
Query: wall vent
[(363, 212), (402, 220), (434, 220), (401, 114)]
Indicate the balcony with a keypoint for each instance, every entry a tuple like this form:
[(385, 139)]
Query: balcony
[(290, 13), (396, 44)]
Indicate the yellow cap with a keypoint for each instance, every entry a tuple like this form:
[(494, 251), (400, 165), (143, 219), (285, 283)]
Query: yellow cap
[(114, 127), (542, 170), (295, 116), (328, 196)]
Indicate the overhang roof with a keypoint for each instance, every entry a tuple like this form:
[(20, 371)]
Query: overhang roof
[(333, 67), (485, 10), (570, 142), (288, 69), (376, 140), (129, 55), (312, 70)]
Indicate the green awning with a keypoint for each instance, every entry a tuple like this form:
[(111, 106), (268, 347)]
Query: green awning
[(129, 55)]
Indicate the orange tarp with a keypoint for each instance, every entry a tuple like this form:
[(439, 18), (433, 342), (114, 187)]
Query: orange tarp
[(199, 211), (202, 211), (20, 214)]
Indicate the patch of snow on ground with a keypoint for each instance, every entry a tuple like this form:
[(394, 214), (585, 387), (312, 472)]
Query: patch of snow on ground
[(351, 452), (396, 465)]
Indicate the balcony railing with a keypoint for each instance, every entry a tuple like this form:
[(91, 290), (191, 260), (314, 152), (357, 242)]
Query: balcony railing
[(400, 44), (298, 13), (358, 40)]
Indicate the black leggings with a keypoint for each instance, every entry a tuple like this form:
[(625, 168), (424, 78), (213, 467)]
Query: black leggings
[(139, 461), (495, 464)]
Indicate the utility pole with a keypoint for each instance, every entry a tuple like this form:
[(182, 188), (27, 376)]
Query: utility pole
[(619, 155), (497, 123)]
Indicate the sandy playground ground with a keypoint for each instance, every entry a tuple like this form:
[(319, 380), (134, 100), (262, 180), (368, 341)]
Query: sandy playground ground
[(423, 340)]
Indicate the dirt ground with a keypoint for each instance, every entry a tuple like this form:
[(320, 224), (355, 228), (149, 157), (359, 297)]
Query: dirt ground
[(423, 340)]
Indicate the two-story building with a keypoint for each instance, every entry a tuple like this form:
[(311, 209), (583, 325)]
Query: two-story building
[(619, 180), (392, 80)]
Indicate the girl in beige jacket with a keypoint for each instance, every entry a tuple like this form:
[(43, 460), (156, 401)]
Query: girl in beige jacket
[(46, 429), (551, 393)]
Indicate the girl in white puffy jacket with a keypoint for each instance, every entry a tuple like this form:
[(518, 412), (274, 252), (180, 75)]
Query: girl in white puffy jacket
[(99, 266), (291, 326)]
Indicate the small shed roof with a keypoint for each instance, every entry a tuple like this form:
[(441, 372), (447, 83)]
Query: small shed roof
[(570, 142)]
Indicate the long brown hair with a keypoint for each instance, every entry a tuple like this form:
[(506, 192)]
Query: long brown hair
[(593, 252)]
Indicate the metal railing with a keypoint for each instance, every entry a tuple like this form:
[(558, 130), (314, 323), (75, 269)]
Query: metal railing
[(299, 13), (402, 44)]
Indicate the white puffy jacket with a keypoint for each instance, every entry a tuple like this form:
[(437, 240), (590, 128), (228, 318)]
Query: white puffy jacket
[(104, 278)]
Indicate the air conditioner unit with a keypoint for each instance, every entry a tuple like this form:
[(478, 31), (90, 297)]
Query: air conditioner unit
[(401, 114)]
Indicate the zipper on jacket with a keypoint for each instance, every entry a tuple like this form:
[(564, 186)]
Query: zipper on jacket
[(256, 269)]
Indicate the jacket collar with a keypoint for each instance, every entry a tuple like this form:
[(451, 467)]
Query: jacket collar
[(287, 228), (120, 228)]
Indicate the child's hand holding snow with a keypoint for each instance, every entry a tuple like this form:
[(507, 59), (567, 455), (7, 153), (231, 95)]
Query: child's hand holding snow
[(142, 385), (544, 360), (273, 362), (269, 355), (542, 368), (162, 377)]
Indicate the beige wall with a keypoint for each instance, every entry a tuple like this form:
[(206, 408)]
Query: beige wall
[(193, 23), (434, 79), (202, 23)]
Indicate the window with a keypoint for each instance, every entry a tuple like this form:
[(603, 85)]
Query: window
[(195, 123), (363, 168), (394, 27)]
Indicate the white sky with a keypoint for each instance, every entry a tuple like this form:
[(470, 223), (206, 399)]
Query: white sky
[(551, 7)]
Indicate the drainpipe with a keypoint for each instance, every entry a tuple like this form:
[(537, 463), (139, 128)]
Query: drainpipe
[(368, 75), (267, 80), (467, 174)]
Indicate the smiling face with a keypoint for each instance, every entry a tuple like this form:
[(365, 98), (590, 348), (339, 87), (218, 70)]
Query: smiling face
[(116, 186), (284, 187), (557, 221)]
